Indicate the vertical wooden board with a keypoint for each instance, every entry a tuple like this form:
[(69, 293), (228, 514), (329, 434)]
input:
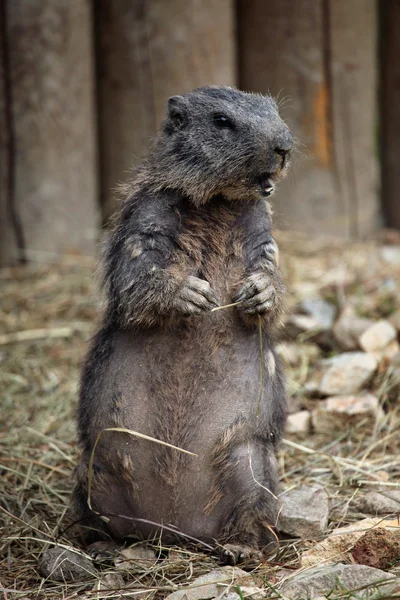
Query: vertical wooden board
[(354, 31), (9, 252), (148, 51), (297, 52), (51, 62), (390, 102)]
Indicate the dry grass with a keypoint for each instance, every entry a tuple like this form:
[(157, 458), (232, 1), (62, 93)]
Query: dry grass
[(54, 309)]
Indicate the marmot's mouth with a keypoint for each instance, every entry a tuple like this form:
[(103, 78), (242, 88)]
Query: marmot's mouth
[(266, 184)]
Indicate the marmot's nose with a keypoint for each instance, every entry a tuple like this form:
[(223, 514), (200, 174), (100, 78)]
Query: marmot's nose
[(283, 143)]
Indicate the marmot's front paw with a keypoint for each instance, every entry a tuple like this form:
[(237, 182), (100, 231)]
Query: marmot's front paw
[(257, 295), (195, 297)]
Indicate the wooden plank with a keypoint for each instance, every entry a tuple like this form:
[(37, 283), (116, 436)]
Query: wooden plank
[(11, 244), (149, 51), (321, 56), (390, 102), (53, 124)]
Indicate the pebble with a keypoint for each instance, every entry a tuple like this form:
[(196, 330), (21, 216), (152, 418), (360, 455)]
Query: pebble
[(349, 327), (299, 422), (391, 255), (345, 373), (59, 564), (378, 548), (213, 584), (297, 519), (326, 579), (345, 411), (380, 503), (142, 555), (377, 337)]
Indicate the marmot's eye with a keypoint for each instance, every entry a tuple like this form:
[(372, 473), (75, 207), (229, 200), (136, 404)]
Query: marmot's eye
[(223, 122)]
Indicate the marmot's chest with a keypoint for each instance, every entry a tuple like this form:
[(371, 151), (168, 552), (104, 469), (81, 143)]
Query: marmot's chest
[(212, 245)]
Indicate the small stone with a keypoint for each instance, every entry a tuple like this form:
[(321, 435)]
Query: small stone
[(341, 541), (380, 503), (345, 373), (304, 512), (59, 564), (297, 324), (322, 311), (138, 555), (293, 355), (391, 255), (346, 411), (377, 337), (349, 327), (299, 422), (213, 584), (369, 582), (394, 320), (110, 581), (378, 548)]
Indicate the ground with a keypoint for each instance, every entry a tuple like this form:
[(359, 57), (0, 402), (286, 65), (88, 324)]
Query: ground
[(47, 315)]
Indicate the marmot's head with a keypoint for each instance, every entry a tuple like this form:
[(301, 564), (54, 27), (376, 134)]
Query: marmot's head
[(219, 140)]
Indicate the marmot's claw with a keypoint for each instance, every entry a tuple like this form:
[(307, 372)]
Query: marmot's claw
[(232, 554), (257, 295), (195, 297)]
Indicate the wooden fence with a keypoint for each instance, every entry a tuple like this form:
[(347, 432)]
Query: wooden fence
[(84, 85)]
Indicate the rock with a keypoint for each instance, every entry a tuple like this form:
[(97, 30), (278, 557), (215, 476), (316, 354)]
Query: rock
[(346, 411), (391, 255), (139, 555), (214, 583), (304, 512), (345, 373), (110, 581), (297, 324), (294, 355), (380, 503), (343, 578), (394, 320), (349, 327), (378, 548), (59, 564), (322, 311), (341, 541), (299, 422), (377, 337)]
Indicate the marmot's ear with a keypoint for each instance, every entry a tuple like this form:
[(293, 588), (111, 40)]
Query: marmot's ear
[(177, 112)]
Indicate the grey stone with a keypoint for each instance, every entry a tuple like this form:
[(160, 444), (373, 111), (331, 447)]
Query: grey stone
[(304, 512), (138, 555), (345, 373), (311, 583), (348, 329), (322, 311), (380, 503), (59, 564), (213, 584), (346, 411), (391, 255)]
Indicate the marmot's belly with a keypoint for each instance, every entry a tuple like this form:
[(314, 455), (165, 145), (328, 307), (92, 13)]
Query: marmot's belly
[(186, 394)]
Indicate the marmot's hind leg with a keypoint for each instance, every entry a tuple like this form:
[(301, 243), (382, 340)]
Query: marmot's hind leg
[(246, 485)]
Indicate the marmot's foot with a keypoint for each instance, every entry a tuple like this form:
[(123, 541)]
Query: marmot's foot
[(103, 552), (232, 554)]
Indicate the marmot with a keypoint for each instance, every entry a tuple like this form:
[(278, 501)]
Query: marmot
[(194, 233)]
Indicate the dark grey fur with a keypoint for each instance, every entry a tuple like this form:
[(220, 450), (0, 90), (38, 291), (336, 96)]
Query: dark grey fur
[(194, 232)]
